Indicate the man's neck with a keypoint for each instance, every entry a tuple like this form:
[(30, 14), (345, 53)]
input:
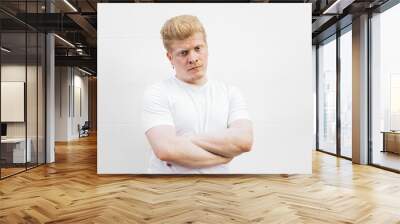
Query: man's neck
[(199, 82)]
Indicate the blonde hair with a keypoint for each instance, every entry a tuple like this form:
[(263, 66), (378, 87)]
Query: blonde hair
[(180, 28)]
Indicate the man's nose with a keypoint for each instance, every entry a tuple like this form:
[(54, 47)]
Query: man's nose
[(193, 58)]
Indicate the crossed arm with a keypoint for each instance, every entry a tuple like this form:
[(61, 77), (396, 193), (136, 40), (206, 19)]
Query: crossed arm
[(203, 150)]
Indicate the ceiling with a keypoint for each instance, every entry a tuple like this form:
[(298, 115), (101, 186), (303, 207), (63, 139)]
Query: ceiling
[(76, 22)]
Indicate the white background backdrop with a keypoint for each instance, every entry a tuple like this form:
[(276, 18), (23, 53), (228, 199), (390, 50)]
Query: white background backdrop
[(263, 49)]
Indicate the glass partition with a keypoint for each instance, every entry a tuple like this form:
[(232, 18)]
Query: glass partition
[(32, 95), (22, 77), (13, 110), (31, 109), (41, 91)]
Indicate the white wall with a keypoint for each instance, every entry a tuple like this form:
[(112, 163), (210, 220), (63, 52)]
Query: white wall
[(14, 73), (68, 81), (17, 72), (80, 84), (252, 46), (61, 103)]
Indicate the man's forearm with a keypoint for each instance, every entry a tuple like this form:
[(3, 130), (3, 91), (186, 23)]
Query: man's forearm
[(169, 147), (228, 143), (183, 152)]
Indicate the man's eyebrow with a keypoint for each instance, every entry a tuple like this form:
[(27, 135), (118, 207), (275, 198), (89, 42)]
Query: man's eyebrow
[(187, 49), (181, 49)]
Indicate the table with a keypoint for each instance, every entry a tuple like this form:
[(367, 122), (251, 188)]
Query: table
[(13, 150), (391, 141)]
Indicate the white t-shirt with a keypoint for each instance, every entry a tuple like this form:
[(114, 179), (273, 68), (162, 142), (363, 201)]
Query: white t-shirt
[(191, 109)]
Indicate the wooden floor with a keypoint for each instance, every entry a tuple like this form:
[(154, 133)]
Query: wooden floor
[(8, 171), (386, 159), (5, 172), (70, 191)]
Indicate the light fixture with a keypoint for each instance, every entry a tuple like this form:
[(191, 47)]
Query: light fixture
[(84, 71), (338, 6), (79, 51), (5, 50), (70, 5), (64, 40)]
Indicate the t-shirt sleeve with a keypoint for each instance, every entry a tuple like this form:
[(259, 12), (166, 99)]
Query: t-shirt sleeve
[(237, 105), (156, 110)]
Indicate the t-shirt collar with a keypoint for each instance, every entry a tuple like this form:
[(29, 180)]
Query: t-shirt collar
[(191, 86)]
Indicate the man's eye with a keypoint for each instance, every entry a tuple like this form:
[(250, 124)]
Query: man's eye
[(183, 53), (197, 48)]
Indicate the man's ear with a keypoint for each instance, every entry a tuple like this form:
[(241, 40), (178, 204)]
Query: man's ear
[(169, 56)]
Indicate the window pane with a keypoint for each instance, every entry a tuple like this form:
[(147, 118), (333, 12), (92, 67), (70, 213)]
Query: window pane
[(327, 96), (346, 94)]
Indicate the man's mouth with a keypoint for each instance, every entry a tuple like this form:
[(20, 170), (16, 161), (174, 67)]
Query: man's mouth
[(194, 68)]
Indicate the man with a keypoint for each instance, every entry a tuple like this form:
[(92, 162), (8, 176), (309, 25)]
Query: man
[(193, 124)]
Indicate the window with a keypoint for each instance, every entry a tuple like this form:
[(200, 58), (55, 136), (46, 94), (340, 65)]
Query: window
[(385, 88)]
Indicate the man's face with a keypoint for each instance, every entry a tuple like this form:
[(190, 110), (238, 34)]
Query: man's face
[(189, 58)]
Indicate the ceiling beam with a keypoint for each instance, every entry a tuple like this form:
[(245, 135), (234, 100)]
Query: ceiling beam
[(85, 61), (85, 25)]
